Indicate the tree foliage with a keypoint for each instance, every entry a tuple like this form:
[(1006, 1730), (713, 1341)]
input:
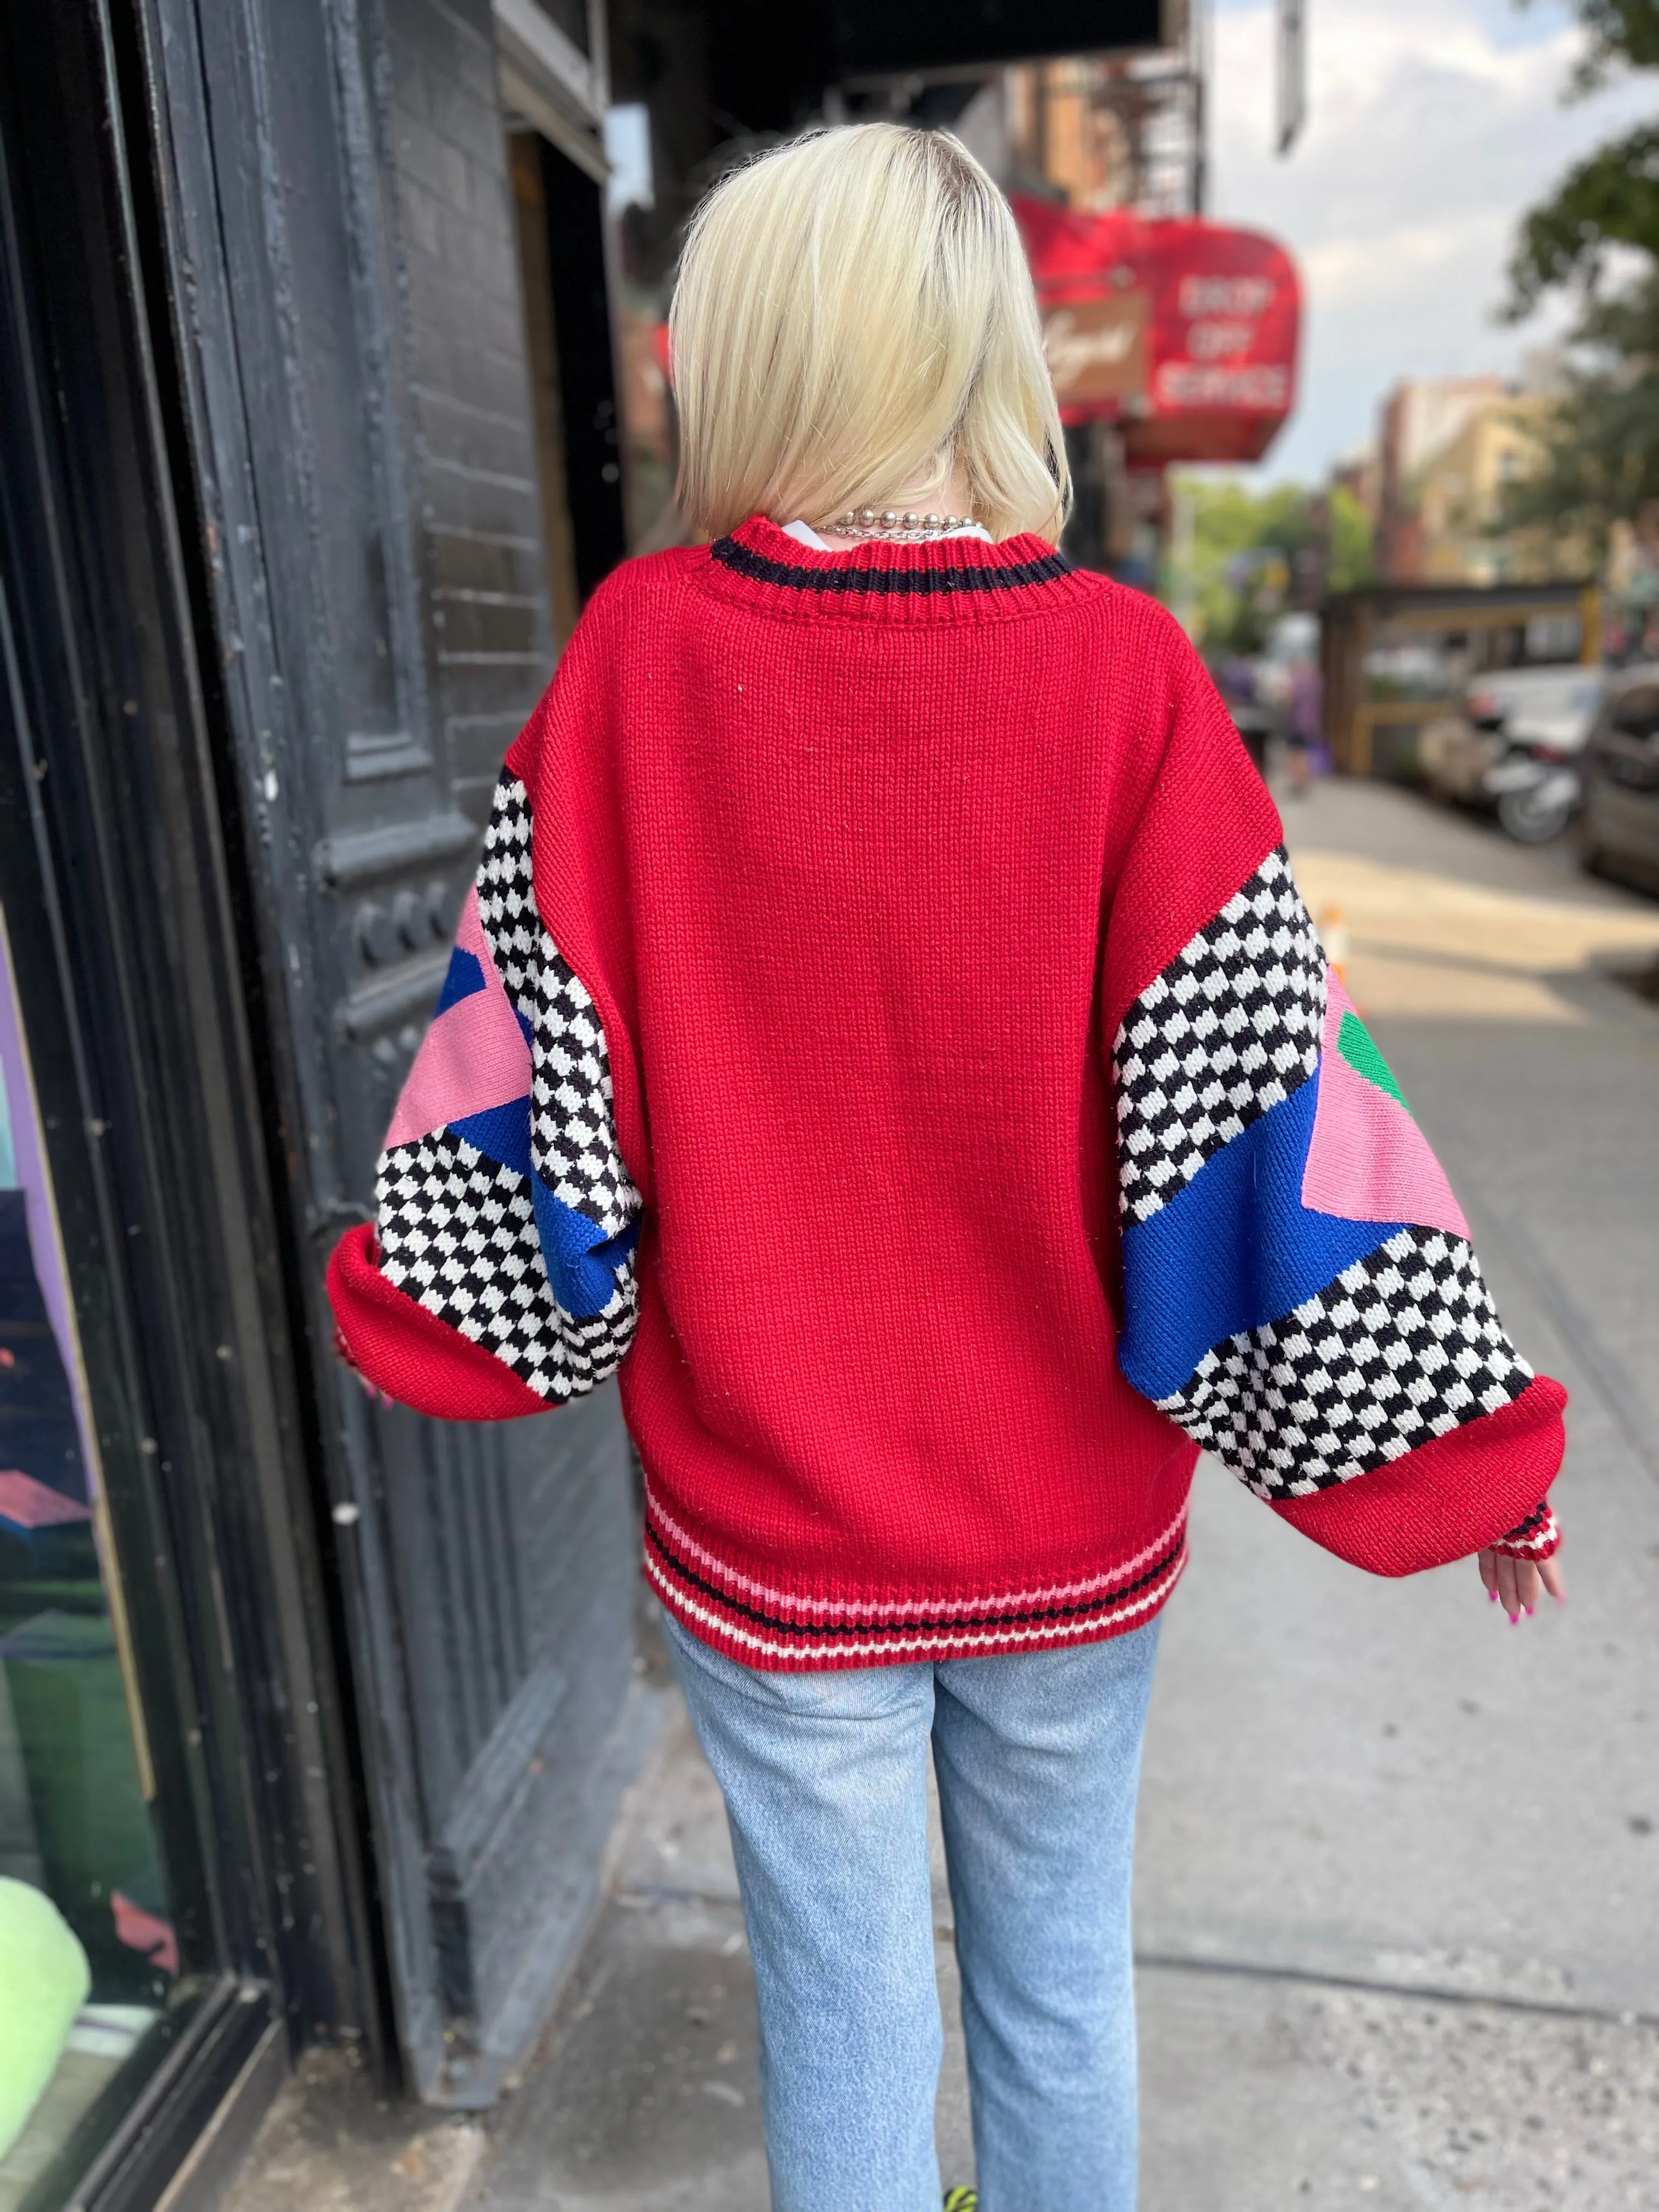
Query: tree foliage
[(1250, 549), (1611, 199), (1622, 33), (1600, 446)]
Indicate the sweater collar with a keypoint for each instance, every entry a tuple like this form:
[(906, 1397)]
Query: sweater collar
[(949, 577)]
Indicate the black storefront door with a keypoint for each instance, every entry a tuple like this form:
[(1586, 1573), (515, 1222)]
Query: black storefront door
[(337, 263), (278, 601), (181, 1897)]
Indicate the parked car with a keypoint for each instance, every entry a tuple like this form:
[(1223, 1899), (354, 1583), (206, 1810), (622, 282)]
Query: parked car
[(1454, 752), (1516, 746), (1619, 825)]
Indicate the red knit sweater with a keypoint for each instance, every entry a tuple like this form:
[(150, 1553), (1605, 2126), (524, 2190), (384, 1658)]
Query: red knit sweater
[(885, 1026)]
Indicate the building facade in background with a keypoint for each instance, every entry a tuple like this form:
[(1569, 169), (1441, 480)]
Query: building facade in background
[(1447, 451), (1103, 131)]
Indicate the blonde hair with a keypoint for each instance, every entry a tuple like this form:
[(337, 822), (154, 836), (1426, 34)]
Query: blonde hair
[(853, 316)]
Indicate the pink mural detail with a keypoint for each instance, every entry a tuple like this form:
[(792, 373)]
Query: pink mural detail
[(472, 1058), (1368, 1160), (28, 1503), (151, 1937)]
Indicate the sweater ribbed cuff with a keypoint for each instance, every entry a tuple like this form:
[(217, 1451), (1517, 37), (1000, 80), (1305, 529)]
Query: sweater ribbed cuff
[(1537, 1538)]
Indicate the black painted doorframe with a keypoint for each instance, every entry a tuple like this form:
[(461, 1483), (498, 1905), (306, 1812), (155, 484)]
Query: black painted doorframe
[(121, 872), (355, 429)]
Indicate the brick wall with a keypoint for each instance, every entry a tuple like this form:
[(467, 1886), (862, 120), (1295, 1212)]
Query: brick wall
[(477, 502), (516, 1553)]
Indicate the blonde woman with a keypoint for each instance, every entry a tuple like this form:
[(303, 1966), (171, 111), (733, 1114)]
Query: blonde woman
[(886, 1032)]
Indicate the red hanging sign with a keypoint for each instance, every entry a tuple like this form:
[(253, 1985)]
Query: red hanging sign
[(1183, 333)]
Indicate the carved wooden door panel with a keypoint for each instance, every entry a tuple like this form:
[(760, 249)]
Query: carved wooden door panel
[(345, 303)]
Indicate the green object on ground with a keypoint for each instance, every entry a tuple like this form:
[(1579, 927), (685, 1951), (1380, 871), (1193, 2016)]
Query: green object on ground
[(1354, 1042), (45, 1980)]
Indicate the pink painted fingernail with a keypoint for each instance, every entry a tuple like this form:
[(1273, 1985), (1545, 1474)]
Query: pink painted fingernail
[(1493, 1595), (1515, 1620), (1527, 1610)]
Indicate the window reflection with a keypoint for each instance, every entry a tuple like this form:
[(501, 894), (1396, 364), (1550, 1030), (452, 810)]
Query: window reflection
[(88, 1951)]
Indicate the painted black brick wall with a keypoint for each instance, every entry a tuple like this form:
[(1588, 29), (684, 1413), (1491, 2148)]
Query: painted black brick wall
[(523, 1575), (361, 410), (490, 636)]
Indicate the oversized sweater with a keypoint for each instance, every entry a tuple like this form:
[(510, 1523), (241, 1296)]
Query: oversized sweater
[(886, 1030)]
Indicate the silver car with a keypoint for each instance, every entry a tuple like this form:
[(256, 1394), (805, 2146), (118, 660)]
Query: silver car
[(1619, 826)]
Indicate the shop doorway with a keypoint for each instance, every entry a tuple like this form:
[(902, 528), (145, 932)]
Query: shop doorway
[(559, 216), (179, 1883)]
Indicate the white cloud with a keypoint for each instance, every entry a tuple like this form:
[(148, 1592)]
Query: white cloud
[(1434, 124)]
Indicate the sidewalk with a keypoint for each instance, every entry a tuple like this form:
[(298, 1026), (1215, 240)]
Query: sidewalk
[(1399, 1863)]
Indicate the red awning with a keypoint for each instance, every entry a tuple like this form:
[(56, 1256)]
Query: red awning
[(1183, 333)]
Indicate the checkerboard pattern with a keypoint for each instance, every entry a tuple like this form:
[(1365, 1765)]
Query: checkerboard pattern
[(572, 1130), (1228, 1029), (506, 893), (1404, 1345), (457, 1232)]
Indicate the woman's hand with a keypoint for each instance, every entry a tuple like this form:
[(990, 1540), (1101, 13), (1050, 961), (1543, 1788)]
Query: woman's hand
[(1515, 1583)]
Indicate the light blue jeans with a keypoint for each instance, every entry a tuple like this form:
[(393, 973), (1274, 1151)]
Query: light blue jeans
[(824, 1776)]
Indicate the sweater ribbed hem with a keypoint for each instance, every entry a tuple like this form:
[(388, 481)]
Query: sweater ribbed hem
[(790, 1631)]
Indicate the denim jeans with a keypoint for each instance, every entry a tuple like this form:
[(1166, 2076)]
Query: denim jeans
[(824, 1777)]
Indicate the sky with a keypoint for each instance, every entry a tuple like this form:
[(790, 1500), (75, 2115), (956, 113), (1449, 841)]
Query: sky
[(1433, 126)]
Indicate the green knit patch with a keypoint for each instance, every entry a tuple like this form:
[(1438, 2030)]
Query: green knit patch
[(1353, 1041)]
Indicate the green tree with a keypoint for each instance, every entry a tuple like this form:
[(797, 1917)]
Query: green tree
[(1600, 462), (1250, 552), (1352, 542), (1611, 199), (1599, 444)]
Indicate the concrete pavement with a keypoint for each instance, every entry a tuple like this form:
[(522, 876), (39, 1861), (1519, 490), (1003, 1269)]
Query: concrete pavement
[(1361, 1795), (1399, 1872)]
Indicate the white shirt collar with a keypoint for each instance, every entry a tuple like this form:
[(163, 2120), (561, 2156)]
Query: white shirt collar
[(804, 534)]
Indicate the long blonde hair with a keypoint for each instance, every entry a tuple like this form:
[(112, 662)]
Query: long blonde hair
[(854, 316)]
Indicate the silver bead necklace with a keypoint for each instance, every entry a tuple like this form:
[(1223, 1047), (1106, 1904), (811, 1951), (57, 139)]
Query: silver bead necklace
[(906, 529)]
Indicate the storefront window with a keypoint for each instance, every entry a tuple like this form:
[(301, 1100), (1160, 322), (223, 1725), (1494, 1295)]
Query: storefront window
[(89, 1966)]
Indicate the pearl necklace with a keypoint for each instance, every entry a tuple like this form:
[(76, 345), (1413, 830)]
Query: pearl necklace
[(908, 528)]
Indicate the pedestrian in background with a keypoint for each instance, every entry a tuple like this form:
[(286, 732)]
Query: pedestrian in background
[(1304, 726), (885, 1028), (1235, 679)]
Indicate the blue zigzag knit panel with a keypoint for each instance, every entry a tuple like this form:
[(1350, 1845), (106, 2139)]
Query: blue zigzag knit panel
[(1236, 1248)]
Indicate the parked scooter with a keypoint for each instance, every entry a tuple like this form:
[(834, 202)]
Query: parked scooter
[(1537, 789), (1517, 746)]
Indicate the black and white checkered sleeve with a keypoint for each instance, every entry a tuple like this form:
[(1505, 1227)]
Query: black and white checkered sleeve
[(525, 1248), (573, 1127), (1228, 1029)]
